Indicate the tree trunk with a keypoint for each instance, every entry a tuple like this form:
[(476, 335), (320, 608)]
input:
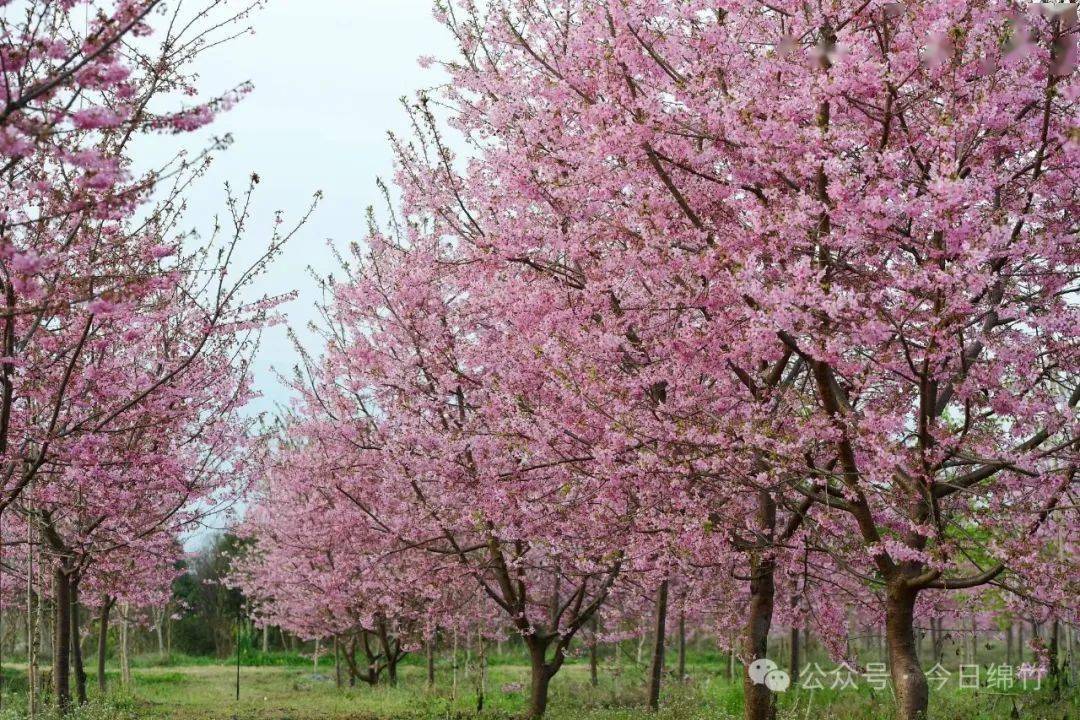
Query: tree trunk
[(594, 650), (682, 646), (656, 670), (391, 648), (912, 691), (731, 662), (481, 685), (103, 640), (1020, 643), (793, 668), (974, 642), (337, 661), (31, 650), (1053, 652), (759, 699), (391, 670), (431, 662), (62, 639), (125, 660), (76, 645), (1009, 645), (540, 681), (454, 664)]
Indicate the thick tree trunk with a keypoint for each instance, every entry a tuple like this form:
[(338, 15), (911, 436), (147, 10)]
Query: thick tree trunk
[(391, 671), (759, 702), (103, 641), (540, 681), (62, 639), (76, 645), (912, 691), (373, 670), (656, 669), (391, 650)]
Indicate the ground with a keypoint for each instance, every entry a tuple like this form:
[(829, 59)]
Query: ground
[(202, 691)]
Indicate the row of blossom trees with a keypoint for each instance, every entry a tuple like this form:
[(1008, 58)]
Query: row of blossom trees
[(126, 341), (775, 300)]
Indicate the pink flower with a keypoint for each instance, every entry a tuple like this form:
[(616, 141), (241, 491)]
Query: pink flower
[(27, 263), (102, 307), (96, 117)]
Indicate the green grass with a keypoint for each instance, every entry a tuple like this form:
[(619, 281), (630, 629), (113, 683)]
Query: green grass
[(289, 691)]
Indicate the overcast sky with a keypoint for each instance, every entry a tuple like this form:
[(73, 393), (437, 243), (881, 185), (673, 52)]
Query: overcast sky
[(328, 78)]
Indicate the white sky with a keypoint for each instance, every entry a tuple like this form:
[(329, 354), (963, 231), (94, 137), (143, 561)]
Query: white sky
[(328, 78)]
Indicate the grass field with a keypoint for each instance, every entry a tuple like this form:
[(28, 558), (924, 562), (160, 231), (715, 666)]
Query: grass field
[(204, 691)]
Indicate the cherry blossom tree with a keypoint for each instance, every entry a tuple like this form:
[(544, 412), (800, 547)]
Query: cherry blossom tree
[(830, 252)]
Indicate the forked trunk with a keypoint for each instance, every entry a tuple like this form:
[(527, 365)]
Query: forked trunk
[(540, 681), (912, 691)]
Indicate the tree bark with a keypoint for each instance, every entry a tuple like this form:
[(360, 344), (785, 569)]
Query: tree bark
[(682, 646), (1008, 644), (731, 662), (1052, 650), (481, 685), (62, 639), (431, 661), (759, 702), (541, 673), (594, 650), (793, 667), (656, 669), (76, 644), (912, 691), (337, 661), (974, 642), (125, 660), (103, 641)]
